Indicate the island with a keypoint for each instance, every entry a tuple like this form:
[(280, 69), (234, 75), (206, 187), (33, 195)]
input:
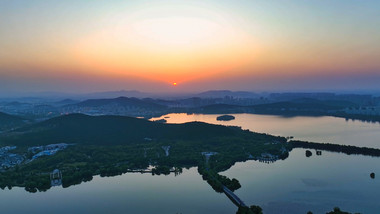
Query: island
[(225, 118)]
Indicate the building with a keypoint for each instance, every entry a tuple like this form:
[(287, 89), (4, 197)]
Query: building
[(56, 178)]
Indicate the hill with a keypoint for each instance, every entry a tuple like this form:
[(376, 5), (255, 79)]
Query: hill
[(223, 93), (304, 106), (112, 94), (66, 102), (112, 130), (120, 101), (221, 109), (8, 121)]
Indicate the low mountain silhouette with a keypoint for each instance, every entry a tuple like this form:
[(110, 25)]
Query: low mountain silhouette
[(106, 130)]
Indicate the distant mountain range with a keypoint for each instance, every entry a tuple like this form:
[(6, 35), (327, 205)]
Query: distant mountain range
[(139, 94), (113, 94), (212, 94), (129, 93), (121, 102), (210, 102), (54, 95), (66, 102), (225, 93), (294, 107)]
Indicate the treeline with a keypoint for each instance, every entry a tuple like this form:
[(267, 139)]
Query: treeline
[(250, 210), (361, 117), (335, 211), (346, 149), (217, 181), (79, 163), (31, 182)]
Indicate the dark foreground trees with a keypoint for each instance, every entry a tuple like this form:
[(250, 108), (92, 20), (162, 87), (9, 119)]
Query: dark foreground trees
[(250, 210)]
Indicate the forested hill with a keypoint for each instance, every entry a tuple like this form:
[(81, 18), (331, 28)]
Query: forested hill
[(293, 107), (84, 129), (8, 121), (306, 105)]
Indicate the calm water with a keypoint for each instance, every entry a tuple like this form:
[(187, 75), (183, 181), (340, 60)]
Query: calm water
[(317, 183), (295, 185), (318, 129), (128, 193)]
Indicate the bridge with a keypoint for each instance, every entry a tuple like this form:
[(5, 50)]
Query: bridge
[(234, 198)]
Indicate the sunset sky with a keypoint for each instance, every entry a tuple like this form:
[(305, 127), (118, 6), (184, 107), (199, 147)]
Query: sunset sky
[(86, 46)]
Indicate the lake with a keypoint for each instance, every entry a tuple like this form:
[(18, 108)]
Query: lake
[(295, 185), (318, 183), (318, 129)]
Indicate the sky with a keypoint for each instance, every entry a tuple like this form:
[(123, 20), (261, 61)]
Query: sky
[(85, 46)]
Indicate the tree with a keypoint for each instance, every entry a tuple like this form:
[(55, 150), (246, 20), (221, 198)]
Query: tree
[(308, 153), (372, 175), (337, 211)]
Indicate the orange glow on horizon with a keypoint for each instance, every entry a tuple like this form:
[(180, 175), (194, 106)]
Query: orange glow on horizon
[(184, 45), (166, 49)]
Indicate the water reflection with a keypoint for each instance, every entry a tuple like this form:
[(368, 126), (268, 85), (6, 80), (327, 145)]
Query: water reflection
[(129, 193), (295, 185), (318, 183), (318, 129)]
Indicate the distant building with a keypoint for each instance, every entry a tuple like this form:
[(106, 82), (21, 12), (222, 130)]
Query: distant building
[(363, 110), (56, 146), (50, 149), (45, 153), (166, 149), (35, 149), (56, 178), (208, 155)]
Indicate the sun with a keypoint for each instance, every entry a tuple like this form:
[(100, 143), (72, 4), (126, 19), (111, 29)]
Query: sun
[(174, 84)]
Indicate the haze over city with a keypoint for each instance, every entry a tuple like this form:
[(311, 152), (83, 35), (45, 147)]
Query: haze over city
[(87, 46)]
